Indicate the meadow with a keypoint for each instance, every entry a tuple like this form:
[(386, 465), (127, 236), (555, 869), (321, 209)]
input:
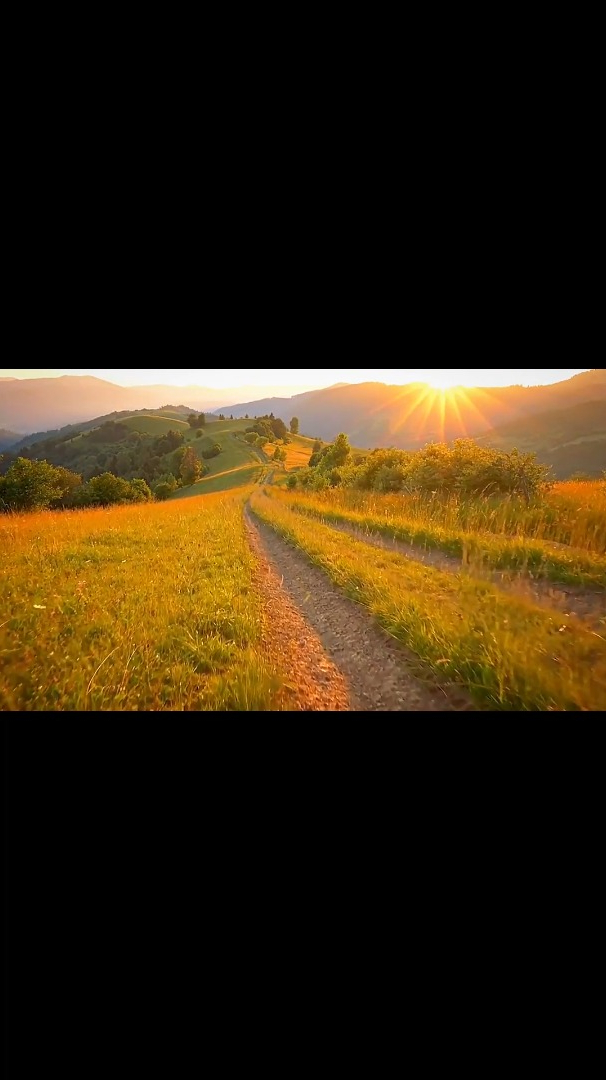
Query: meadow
[(237, 464), (144, 607), (508, 651), (298, 451), (563, 539)]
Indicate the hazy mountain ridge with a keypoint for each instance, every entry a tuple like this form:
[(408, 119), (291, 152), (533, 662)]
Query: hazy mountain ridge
[(374, 414), (564, 423), (569, 440), (36, 405)]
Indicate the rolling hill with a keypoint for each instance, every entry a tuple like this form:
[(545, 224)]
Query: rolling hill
[(569, 440), (407, 417), (28, 405)]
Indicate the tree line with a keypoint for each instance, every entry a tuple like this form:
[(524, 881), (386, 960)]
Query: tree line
[(463, 468), (108, 465)]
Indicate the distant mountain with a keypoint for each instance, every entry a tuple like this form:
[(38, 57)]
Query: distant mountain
[(407, 417), (569, 440), (170, 412), (28, 405), (7, 438)]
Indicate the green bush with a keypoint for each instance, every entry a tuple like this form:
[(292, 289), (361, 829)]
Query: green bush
[(465, 469), (36, 485), (212, 451)]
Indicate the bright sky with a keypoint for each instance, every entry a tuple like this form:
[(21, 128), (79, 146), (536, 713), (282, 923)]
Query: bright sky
[(296, 380)]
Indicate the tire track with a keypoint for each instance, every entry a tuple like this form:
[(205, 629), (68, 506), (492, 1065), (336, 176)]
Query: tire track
[(582, 601), (330, 640)]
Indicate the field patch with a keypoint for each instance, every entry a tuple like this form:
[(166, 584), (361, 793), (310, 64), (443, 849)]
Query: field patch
[(132, 608)]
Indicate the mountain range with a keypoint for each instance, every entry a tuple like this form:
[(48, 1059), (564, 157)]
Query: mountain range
[(28, 405), (406, 417), (564, 423)]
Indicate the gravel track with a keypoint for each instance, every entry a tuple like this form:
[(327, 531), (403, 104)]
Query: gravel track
[(337, 657)]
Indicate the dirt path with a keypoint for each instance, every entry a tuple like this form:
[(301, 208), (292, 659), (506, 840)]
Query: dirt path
[(339, 659), (584, 602)]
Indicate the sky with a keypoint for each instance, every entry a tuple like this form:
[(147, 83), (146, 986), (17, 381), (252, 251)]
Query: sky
[(297, 380)]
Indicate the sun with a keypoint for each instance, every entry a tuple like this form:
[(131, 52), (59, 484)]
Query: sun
[(443, 380)]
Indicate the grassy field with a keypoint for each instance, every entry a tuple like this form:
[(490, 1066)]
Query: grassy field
[(237, 464), (132, 608), (156, 425), (509, 652), (298, 452), (573, 513), (461, 530)]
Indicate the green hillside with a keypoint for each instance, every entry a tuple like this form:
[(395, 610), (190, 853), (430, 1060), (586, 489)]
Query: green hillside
[(238, 463), (569, 440), (155, 425)]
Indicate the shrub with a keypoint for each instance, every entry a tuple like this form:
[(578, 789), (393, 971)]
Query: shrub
[(36, 485), (212, 451)]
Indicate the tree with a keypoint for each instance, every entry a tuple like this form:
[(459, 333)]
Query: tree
[(294, 425), (278, 427), (162, 491), (317, 446), (141, 491), (36, 485), (191, 467), (212, 451), (105, 490)]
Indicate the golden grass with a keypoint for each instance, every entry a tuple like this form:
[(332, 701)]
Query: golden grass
[(147, 607), (298, 452), (572, 513), (509, 652), (479, 551)]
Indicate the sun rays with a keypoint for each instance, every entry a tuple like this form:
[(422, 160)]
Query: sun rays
[(424, 413)]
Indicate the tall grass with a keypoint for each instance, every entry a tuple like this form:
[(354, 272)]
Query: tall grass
[(132, 608), (571, 513), (510, 653), (431, 523)]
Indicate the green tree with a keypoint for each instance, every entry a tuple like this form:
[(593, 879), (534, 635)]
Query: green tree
[(36, 485), (106, 490), (212, 451), (294, 426), (141, 491), (191, 467), (162, 491)]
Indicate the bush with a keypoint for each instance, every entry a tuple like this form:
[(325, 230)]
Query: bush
[(212, 451), (36, 485), (465, 469), (291, 481)]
